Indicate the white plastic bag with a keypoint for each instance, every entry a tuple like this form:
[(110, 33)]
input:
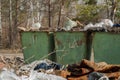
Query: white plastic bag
[(8, 75)]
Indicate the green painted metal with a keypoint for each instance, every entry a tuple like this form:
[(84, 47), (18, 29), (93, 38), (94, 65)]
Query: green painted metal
[(36, 45), (70, 47), (106, 47)]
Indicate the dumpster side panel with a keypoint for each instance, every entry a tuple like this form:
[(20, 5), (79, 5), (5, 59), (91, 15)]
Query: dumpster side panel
[(35, 45), (70, 47), (106, 47)]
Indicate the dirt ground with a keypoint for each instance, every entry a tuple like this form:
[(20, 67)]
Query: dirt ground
[(11, 53)]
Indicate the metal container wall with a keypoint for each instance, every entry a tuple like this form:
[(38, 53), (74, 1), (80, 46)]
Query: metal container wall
[(70, 47), (36, 45), (106, 47)]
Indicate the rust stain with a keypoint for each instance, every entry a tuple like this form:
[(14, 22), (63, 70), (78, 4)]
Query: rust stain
[(58, 42), (79, 42)]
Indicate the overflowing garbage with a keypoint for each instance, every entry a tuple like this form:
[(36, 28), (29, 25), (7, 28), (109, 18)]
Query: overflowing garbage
[(16, 69), (105, 25)]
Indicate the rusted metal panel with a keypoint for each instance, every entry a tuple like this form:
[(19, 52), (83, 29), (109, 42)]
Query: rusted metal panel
[(36, 45), (70, 47), (106, 47)]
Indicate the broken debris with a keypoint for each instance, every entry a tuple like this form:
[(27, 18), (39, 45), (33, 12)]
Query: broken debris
[(85, 68), (16, 69)]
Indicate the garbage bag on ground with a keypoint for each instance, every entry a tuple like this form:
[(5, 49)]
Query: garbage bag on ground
[(38, 65), (46, 66)]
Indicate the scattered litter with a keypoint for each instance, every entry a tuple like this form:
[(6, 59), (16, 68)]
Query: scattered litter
[(34, 75), (48, 70), (27, 72)]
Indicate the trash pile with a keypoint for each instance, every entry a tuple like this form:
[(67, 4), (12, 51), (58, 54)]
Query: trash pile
[(105, 25), (16, 69)]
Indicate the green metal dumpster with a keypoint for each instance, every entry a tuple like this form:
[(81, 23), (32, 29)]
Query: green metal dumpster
[(36, 45), (70, 47), (106, 47)]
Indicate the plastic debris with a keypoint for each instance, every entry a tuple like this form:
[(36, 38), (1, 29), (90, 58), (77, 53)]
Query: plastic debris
[(34, 75), (97, 76), (8, 75), (116, 25), (69, 24), (104, 24), (36, 26), (25, 69), (85, 70), (107, 22), (43, 76), (45, 66), (27, 72), (88, 26)]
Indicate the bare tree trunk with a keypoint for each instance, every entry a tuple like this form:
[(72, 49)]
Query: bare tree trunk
[(38, 10), (31, 12), (59, 16), (92, 2), (49, 13), (30, 17), (108, 15), (0, 17), (113, 10), (0, 25), (15, 26), (10, 24)]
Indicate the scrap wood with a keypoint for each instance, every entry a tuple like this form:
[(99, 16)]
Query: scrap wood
[(2, 65), (65, 73), (79, 23), (77, 72), (78, 78), (100, 67), (114, 75), (86, 67), (22, 28)]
